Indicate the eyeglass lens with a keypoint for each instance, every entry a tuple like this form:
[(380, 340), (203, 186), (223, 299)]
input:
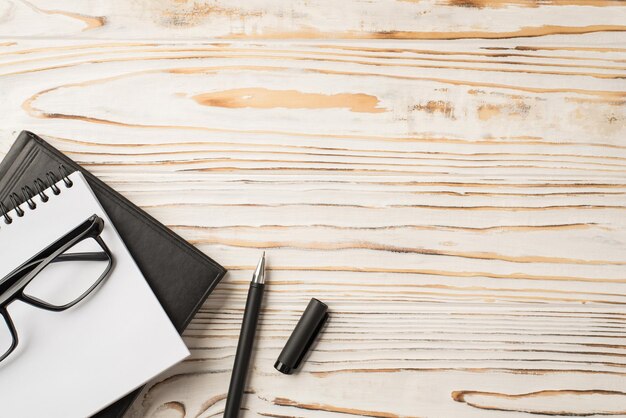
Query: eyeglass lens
[(69, 275)]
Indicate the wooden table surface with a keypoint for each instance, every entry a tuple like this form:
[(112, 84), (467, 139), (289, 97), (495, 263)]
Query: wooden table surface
[(449, 176)]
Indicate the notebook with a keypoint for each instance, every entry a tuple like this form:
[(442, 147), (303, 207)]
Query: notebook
[(75, 362), (180, 275)]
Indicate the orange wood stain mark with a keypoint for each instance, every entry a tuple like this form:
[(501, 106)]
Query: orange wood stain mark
[(184, 13), (596, 402), (487, 111), (437, 106), (261, 98), (481, 4), (177, 407), (567, 48), (523, 32), (91, 22), (332, 408)]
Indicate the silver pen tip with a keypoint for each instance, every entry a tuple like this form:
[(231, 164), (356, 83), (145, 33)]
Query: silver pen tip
[(259, 273)]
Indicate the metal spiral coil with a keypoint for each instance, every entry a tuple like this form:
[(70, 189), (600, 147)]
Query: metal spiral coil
[(28, 193)]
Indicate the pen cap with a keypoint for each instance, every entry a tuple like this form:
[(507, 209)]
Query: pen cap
[(303, 335)]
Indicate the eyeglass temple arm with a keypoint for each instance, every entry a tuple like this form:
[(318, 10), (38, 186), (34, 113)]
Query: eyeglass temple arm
[(90, 256)]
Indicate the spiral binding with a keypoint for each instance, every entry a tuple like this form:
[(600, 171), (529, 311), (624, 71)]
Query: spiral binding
[(28, 193)]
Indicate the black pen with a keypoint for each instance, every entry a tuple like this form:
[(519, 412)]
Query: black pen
[(246, 339)]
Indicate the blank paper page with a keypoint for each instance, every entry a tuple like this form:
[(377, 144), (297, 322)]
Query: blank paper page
[(76, 362)]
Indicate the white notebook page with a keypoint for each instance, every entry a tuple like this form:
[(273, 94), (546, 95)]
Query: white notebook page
[(76, 362)]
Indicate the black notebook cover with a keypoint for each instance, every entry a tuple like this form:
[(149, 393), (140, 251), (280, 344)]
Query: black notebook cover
[(179, 274)]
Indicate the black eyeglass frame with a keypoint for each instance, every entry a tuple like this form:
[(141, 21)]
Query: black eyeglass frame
[(12, 286)]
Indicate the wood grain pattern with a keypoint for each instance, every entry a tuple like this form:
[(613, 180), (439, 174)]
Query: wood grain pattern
[(311, 19), (457, 196)]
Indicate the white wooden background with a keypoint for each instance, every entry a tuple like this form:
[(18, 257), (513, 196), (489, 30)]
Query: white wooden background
[(448, 175)]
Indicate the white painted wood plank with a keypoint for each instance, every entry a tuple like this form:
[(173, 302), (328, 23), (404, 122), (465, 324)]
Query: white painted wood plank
[(310, 19)]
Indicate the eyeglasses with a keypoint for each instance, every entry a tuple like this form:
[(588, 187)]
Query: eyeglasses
[(57, 278)]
